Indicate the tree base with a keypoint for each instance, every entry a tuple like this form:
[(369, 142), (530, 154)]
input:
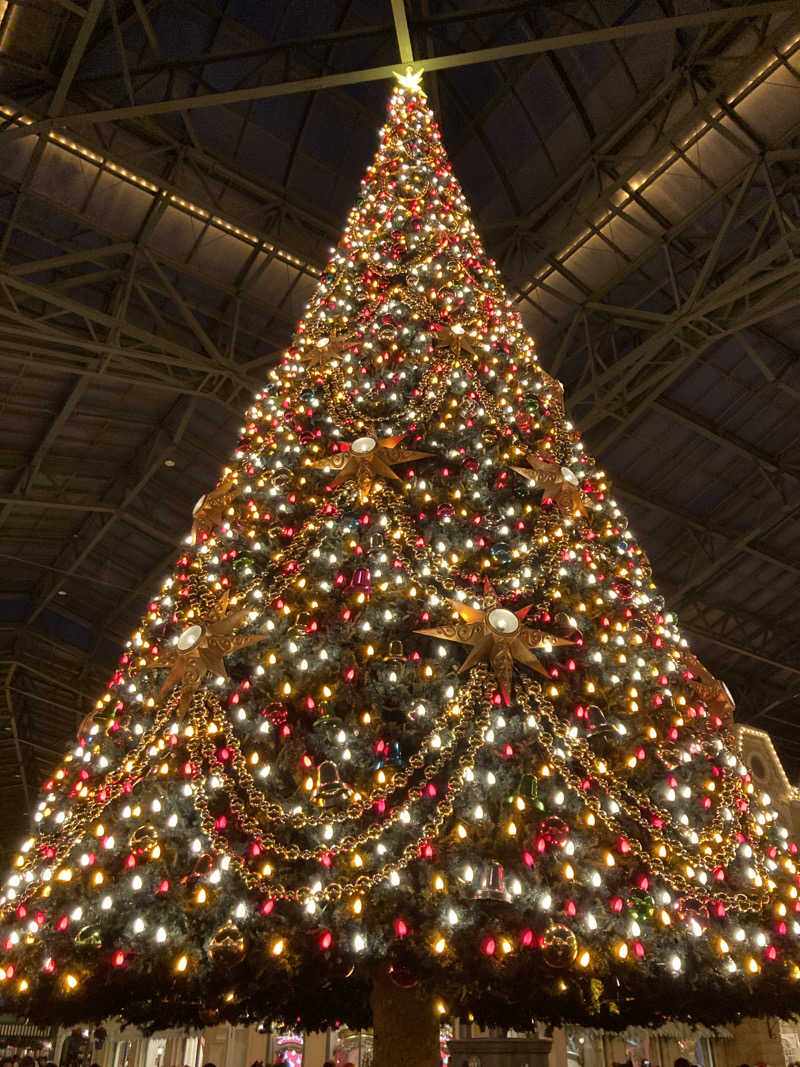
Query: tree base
[(501, 1052), (405, 1026)]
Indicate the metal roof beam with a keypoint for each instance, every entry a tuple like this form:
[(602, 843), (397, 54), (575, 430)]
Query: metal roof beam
[(708, 429), (237, 55), (736, 630), (76, 53), (44, 676), (10, 501), (12, 719), (159, 353), (401, 31), (568, 222), (703, 526), (357, 77), (144, 588), (88, 537), (777, 517), (755, 286), (734, 646)]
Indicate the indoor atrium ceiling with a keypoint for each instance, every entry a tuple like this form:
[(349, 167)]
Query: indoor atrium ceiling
[(166, 204)]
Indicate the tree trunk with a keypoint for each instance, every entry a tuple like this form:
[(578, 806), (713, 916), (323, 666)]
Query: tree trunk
[(405, 1026)]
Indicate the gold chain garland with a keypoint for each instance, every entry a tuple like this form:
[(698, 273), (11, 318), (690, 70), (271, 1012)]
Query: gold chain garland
[(636, 800), (546, 571), (669, 874), (345, 412), (136, 766), (336, 890), (274, 812)]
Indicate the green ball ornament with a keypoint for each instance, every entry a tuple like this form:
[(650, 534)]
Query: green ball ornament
[(641, 905), (144, 838)]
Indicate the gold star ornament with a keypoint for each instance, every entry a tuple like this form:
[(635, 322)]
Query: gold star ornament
[(554, 391), (201, 649), (498, 637), (712, 691), (559, 483), (367, 460), (209, 510)]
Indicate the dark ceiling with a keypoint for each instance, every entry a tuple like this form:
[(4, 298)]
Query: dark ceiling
[(165, 206)]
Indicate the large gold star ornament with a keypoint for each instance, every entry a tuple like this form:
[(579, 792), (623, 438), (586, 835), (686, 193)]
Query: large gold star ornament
[(498, 637), (559, 483), (367, 460), (201, 649), (209, 510), (323, 349), (456, 338)]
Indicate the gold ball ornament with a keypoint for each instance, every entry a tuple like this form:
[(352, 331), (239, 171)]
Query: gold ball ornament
[(671, 757), (144, 838), (559, 946), (89, 937), (228, 946)]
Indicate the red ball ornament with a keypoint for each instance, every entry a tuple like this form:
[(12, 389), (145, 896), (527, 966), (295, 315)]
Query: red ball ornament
[(623, 588), (554, 831), (403, 976), (275, 713), (693, 913)]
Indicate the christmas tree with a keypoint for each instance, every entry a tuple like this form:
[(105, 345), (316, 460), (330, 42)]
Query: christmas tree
[(409, 721)]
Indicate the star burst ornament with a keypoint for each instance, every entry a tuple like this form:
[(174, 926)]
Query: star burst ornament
[(498, 637), (209, 510), (559, 483), (366, 460), (555, 391), (323, 349), (201, 649), (456, 337)]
